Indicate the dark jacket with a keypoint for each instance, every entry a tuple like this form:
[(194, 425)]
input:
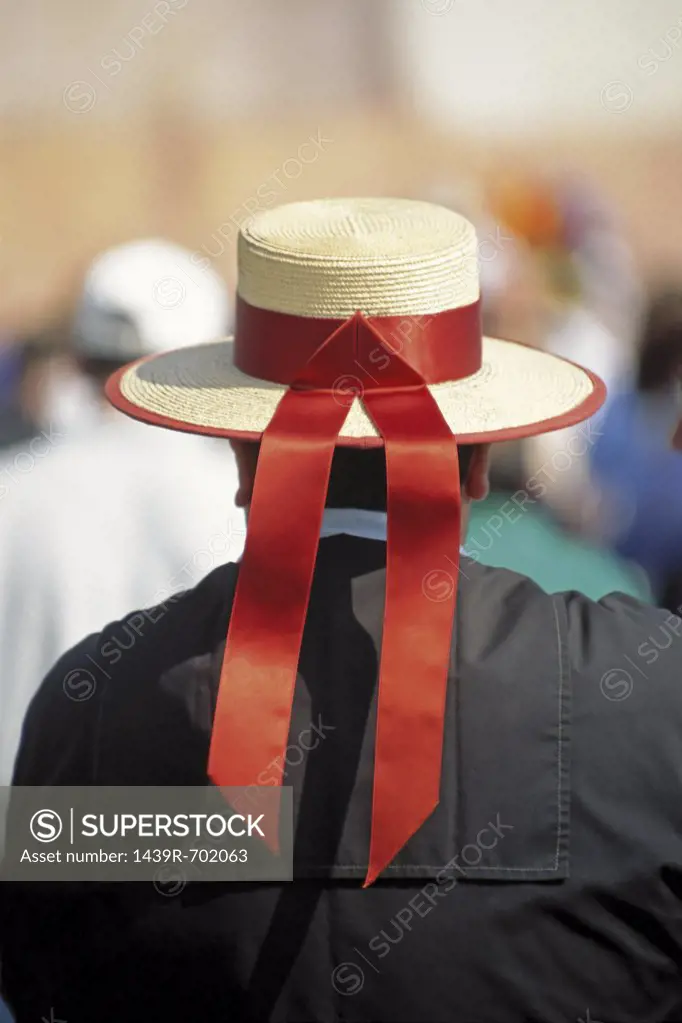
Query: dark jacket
[(546, 886)]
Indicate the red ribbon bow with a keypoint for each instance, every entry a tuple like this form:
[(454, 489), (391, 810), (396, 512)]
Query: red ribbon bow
[(253, 711)]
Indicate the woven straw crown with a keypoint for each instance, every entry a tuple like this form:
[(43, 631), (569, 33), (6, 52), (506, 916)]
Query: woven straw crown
[(384, 257)]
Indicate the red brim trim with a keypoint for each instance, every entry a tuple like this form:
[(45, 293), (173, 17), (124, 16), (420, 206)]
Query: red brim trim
[(583, 411)]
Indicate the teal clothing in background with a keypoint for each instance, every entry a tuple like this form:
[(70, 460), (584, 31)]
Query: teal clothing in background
[(527, 539)]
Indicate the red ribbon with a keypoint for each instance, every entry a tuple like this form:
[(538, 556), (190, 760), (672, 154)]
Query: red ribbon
[(255, 696)]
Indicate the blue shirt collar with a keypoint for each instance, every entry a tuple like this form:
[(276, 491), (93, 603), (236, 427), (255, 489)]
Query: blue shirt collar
[(354, 522)]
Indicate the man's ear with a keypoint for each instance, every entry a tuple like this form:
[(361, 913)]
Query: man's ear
[(477, 483)]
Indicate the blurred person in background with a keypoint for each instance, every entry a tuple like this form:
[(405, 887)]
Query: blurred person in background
[(608, 278), (98, 514), (587, 305), (638, 475), (13, 428), (24, 384), (590, 293)]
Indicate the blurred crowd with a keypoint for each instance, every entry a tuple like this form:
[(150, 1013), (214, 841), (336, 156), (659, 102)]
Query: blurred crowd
[(99, 514)]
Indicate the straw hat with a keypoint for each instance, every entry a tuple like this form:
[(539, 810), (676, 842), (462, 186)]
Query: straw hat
[(305, 268)]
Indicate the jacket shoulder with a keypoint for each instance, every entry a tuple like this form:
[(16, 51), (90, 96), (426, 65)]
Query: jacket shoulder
[(621, 630), (626, 685), (628, 651), (607, 645)]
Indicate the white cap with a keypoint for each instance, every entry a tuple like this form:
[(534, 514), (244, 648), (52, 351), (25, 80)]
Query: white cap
[(147, 297)]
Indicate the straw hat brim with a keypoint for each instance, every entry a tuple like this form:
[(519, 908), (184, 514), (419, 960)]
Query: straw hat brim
[(518, 392)]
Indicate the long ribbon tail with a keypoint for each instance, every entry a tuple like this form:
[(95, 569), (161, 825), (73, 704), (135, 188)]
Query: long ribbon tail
[(255, 695), (424, 515)]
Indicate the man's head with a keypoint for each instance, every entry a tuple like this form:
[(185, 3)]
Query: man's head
[(358, 476)]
